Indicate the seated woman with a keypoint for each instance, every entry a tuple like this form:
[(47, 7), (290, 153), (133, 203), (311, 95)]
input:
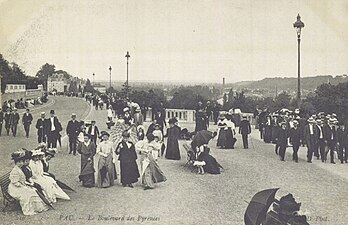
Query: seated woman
[(51, 189), (150, 171), (206, 162), (21, 190)]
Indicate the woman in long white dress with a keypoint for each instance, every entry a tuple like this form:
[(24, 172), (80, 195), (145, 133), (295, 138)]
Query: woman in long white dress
[(150, 171), (51, 190), (21, 190)]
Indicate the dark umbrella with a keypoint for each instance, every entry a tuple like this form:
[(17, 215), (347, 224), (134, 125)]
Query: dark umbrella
[(44, 199), (60, 140), (257, 209), (201, 137), (64, 186)]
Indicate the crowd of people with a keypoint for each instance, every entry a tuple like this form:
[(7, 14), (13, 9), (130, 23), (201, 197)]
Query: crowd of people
[(126, 140), (321, 133)]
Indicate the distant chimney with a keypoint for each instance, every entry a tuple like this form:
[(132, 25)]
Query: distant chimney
[(223, 85)]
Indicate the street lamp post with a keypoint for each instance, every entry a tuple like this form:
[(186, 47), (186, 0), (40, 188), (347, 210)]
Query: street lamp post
[(127, 56), (93, 78), (298, 25), (110, 76)]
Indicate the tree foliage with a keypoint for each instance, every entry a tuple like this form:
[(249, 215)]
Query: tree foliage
[(44, 73), (12, 73)]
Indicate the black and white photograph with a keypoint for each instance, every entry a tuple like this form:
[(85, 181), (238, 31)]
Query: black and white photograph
[(166, 112)]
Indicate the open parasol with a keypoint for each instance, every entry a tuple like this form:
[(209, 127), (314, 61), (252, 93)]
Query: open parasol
[(118, 129), (257, 209)]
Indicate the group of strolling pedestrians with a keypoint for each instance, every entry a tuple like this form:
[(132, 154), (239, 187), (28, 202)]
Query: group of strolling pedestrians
[(323, 134)]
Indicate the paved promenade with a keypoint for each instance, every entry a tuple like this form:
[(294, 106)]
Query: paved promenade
[(185, 198)]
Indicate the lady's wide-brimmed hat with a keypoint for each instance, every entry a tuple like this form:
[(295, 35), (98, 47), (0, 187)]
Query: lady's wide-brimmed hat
[(104, 133), (51, 152), (27, 155), (18, 155), (37, 153)]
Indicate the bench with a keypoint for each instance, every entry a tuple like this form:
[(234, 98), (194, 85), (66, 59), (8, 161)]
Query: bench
[(7, 198)]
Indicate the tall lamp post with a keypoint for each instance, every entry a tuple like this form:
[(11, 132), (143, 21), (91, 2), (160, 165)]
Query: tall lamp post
[(298, 25), (110, 76), (127, 56), (93, 78)]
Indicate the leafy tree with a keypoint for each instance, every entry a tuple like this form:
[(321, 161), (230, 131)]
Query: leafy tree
[(282, 101), (73, 87), (44, 73), (11, 73), (88, 87)]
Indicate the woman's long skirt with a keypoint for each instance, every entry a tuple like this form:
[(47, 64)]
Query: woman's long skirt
[(230, 140), (129, 172), (87, 171), (29, 200), (152, 174), (173, 151), (106, 172), (221, 141)]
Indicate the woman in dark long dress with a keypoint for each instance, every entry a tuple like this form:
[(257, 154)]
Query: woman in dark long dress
[(173, 134), (211, 165), (221, 141), (230, 132), (87, 150), (127, 156)]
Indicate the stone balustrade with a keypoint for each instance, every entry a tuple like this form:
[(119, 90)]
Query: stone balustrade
[(188, 115)]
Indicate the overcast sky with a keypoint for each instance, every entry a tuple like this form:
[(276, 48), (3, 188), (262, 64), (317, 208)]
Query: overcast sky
[(195, 40)]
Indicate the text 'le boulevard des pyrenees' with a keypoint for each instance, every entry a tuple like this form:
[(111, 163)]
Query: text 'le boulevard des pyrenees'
[(167, 139)]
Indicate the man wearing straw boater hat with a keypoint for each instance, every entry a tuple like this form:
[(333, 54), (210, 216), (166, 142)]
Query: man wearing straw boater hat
[(295, 139), (330, 136), (311, 137), (321, 141)]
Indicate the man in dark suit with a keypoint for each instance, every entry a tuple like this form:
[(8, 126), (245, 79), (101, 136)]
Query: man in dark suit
[(282, 140), (342, 138), (7, 119), (73, 130), (245, 130), (41, 128), (93, 131), (14, 120), (53, 127), (330, 136), (26, 120), (295, 139), (321, 141), (1, 119), (311, 138)]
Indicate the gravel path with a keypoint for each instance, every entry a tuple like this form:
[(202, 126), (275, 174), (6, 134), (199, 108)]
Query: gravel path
[(188, 198)]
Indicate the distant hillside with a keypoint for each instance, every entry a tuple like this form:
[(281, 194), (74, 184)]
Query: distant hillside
[(307, 83)]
